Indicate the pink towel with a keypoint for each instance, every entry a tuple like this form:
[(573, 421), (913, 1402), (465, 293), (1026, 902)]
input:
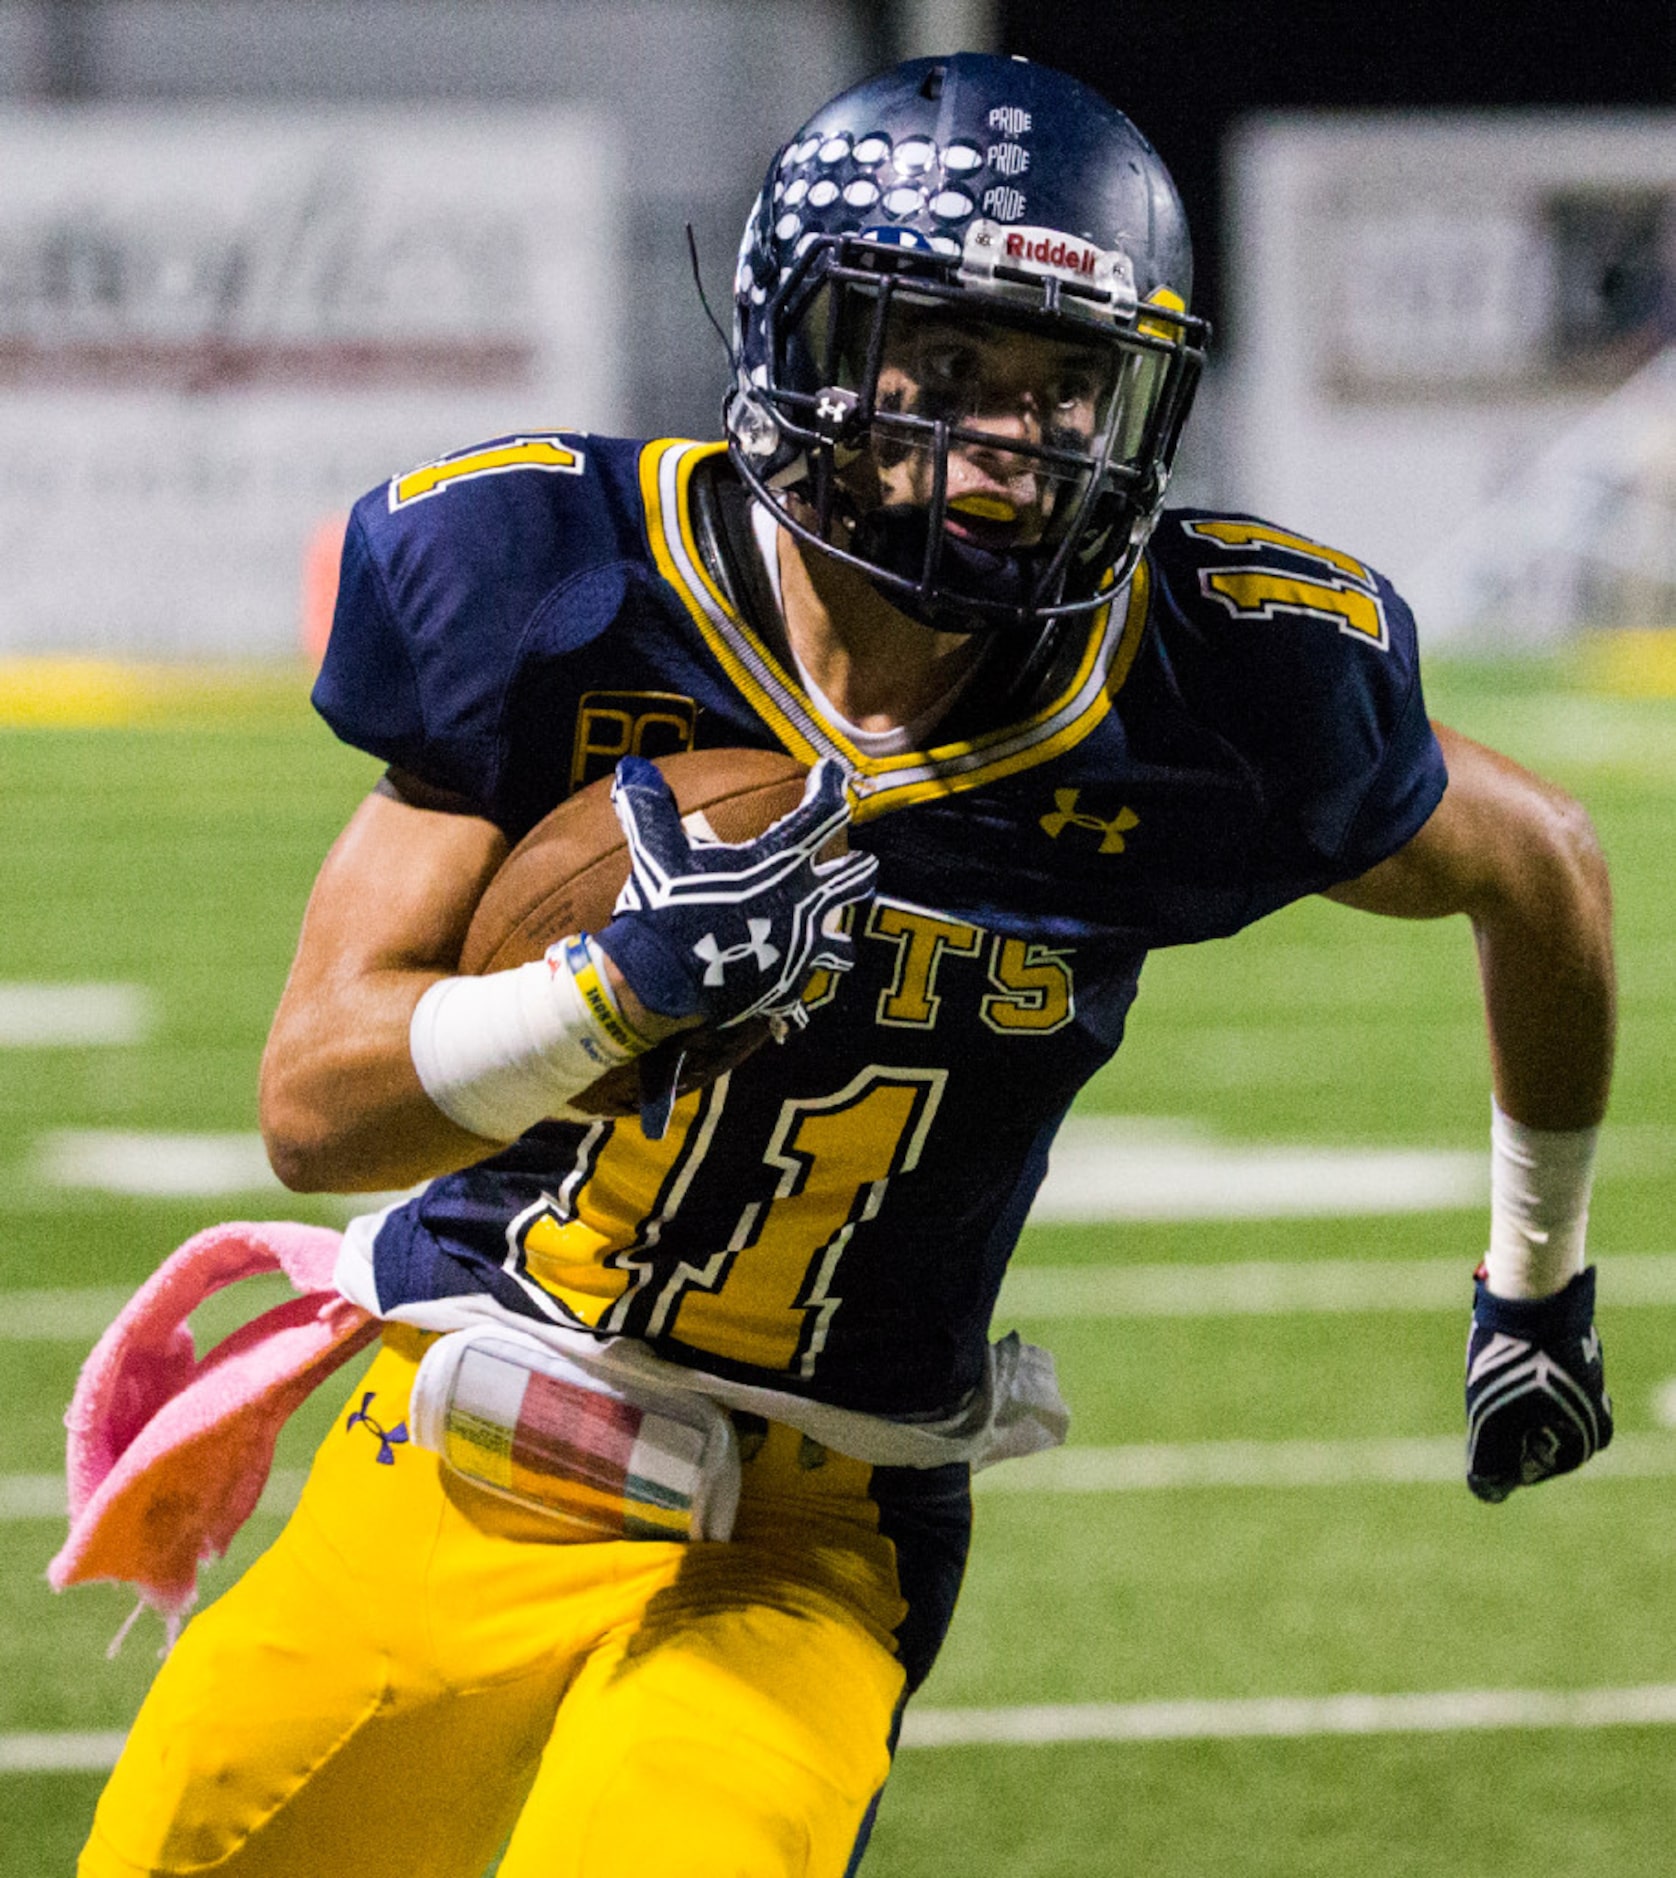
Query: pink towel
[(168, 1453)]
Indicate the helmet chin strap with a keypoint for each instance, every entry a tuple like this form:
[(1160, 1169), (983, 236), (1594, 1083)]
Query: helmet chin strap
[(894, 537)]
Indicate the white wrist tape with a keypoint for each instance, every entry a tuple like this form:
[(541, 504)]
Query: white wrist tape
[(498, 1054), (1539, 1206)]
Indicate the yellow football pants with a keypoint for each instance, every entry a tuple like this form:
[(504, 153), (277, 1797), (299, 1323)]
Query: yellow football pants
[(414, 1669)]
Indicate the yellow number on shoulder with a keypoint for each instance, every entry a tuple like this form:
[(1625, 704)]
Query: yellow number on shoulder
[(1344, 591), (522, 453)]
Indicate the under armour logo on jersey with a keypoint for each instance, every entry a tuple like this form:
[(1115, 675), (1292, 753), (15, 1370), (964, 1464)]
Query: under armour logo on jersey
[(718, 958), (389, 1439), (1065, 814)]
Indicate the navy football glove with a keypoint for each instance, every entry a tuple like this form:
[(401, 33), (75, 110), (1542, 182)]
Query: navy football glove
[(725, 933), (1535, 1388)]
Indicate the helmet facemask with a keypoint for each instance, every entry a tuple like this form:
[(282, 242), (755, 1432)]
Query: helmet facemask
[(996, 206), (988, 445)]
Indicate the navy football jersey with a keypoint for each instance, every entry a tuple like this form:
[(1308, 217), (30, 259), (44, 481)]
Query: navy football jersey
[(1241, 726)]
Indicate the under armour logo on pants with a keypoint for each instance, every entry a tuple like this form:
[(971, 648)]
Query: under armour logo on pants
[(389, 1439)]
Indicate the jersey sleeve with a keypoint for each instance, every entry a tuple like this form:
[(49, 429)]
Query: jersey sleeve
[(1408, 780), (1306, 661), (457, 606), (368, 690)]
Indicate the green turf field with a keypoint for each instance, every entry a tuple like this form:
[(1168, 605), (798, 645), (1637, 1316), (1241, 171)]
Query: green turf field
[(176, 855)]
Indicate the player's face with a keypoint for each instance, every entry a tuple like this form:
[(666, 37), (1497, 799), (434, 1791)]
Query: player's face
[(1004, 388), (1025, 411)]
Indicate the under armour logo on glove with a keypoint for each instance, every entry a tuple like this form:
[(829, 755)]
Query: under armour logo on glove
[(716, 905), (716, 960), (1535, 1388)]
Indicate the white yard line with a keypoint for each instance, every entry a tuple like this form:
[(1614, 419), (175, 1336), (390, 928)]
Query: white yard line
[(1276, 1288), (1139, 1467), (93, 1753), (1103, 1168), (1293, 1718), (1149, 1467), (31, 1496), (1448, 1711), (1113, 1167), (80, 1314), (127, 1161), (72, 1314), (56, 1016), (141, 1164)]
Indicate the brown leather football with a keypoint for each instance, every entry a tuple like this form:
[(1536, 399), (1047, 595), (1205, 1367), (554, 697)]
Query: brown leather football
[(566, 873)]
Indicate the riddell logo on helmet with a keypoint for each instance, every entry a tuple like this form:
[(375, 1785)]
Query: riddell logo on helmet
[(1069, 257)]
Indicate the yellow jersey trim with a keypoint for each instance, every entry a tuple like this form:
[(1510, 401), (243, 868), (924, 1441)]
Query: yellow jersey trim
[(882, 784), (666, 471)]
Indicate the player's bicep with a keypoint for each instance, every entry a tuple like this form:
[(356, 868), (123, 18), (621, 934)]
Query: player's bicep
[(396, 893), (341, 1105), (1497, 833)]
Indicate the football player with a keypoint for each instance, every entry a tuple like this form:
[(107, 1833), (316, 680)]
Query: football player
[(1066, 725)]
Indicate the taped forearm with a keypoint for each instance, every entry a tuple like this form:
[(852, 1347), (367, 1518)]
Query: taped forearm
[(1540, 1181), (498, 1054)]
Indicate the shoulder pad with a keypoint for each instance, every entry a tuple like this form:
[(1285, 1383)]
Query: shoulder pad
[(1223, 569), (1304, 659), (444, 568), (536, 506)]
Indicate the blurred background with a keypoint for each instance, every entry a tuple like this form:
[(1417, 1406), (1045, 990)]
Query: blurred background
[(256, 254)]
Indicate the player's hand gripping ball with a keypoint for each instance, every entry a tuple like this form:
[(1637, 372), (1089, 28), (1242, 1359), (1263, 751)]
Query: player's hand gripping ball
[(1535, 1388), (566, 875), (725, 932)]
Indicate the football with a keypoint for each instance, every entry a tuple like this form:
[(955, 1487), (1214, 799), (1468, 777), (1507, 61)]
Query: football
[(566, 873)]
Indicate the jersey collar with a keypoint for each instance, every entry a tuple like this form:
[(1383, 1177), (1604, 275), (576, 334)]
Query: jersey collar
[(881, 784)]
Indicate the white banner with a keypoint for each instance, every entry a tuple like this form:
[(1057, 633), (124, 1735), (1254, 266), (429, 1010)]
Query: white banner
[(1429, 306), (218, 328)]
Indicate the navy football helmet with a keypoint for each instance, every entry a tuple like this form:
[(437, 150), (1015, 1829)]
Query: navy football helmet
[(962, 350)]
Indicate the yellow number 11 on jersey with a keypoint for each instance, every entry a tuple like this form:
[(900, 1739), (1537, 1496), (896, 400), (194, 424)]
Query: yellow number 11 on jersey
[(522, 453), (768, 1298), (1345, 592)]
